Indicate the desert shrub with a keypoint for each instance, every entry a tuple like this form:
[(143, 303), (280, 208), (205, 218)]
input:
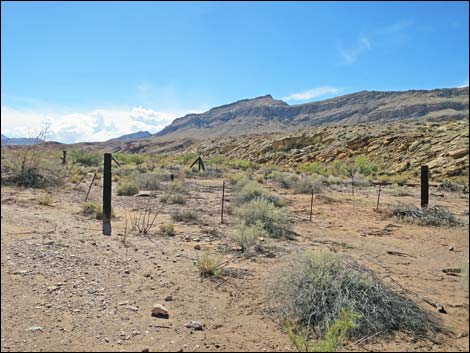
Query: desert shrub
[(167, 229), (236, 178), (89, 159), (433, 216), (92, 209), (129, 158), (149, 181), (315, 168), (315, 289), (124, 171), (252, 190), (364, 166), (209, 266), (305, 185), (45, 200), (187, 216), (127, 188), (276, 222), (239, 164), (285, 180), (177, 198), (246, 236), (450, 186)]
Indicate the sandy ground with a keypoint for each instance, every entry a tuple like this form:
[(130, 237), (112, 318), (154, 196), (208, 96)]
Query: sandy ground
[(66, 287)]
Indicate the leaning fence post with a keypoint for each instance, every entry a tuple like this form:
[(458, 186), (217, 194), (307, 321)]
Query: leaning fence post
[(311, 206), (89, 188), (64, 157), (424, 186), (107, 183), (223, 195)]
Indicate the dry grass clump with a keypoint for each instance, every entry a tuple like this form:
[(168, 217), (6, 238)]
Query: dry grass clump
[(45, 200), (246, 236), (92, 209), (167, 229), (316, 288), (277, 222), (127, 188), (186, 216), (209, 266), (437, 216)]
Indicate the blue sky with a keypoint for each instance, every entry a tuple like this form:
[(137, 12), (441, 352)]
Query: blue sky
[(96, 70)]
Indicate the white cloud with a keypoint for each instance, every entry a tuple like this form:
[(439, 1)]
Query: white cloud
[(465, 84), (96, 125), (312, 93), (350, 55)]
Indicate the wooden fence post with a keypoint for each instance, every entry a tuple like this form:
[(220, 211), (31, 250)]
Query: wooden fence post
[(64, 157), (89, 188), (424, 186), (222, 211), (107, 190)]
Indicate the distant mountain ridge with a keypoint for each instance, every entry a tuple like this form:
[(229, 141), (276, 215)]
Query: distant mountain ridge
[(133, 136), (19, 141), (266, 115)]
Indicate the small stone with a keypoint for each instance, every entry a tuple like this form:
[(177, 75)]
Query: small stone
[(197, 247), (451, 248), (169, 298), (194, 325), (441, 309), (145, 350), (34, 329), (160, 311)]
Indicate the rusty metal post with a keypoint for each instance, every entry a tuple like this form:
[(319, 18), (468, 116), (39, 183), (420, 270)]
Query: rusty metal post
[(424, 186), (107, 190), (223, 196), (311, 206)]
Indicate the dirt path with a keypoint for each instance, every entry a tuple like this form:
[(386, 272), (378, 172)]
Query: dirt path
[(67, 287)]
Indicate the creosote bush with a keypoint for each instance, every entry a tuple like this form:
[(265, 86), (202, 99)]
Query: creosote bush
[(316, 288), (277, 222), (433, 216)]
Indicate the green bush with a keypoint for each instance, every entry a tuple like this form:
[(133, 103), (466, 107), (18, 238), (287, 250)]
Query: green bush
[(275, 221), (127, 188), (364, 166), (89, 159), (209, 266), (315, 168), (252, 190)]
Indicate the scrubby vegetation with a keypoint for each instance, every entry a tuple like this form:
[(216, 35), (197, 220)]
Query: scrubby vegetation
[(127, 188), (337, 298), (209, 266), (92, 209), (246, 236), (275, 221), (437, 216), (167, 229), (187, 216)]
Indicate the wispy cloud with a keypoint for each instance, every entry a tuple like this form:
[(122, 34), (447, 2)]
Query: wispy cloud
[(95, 125), (311, 94), (465, 84), (396, 27), (350, 55)]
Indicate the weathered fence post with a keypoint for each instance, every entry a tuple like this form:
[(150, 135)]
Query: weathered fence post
[(222, 211), (311, 206), (107, 184), (424, 186), (378, 198), (89, 188), (64, 157)]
